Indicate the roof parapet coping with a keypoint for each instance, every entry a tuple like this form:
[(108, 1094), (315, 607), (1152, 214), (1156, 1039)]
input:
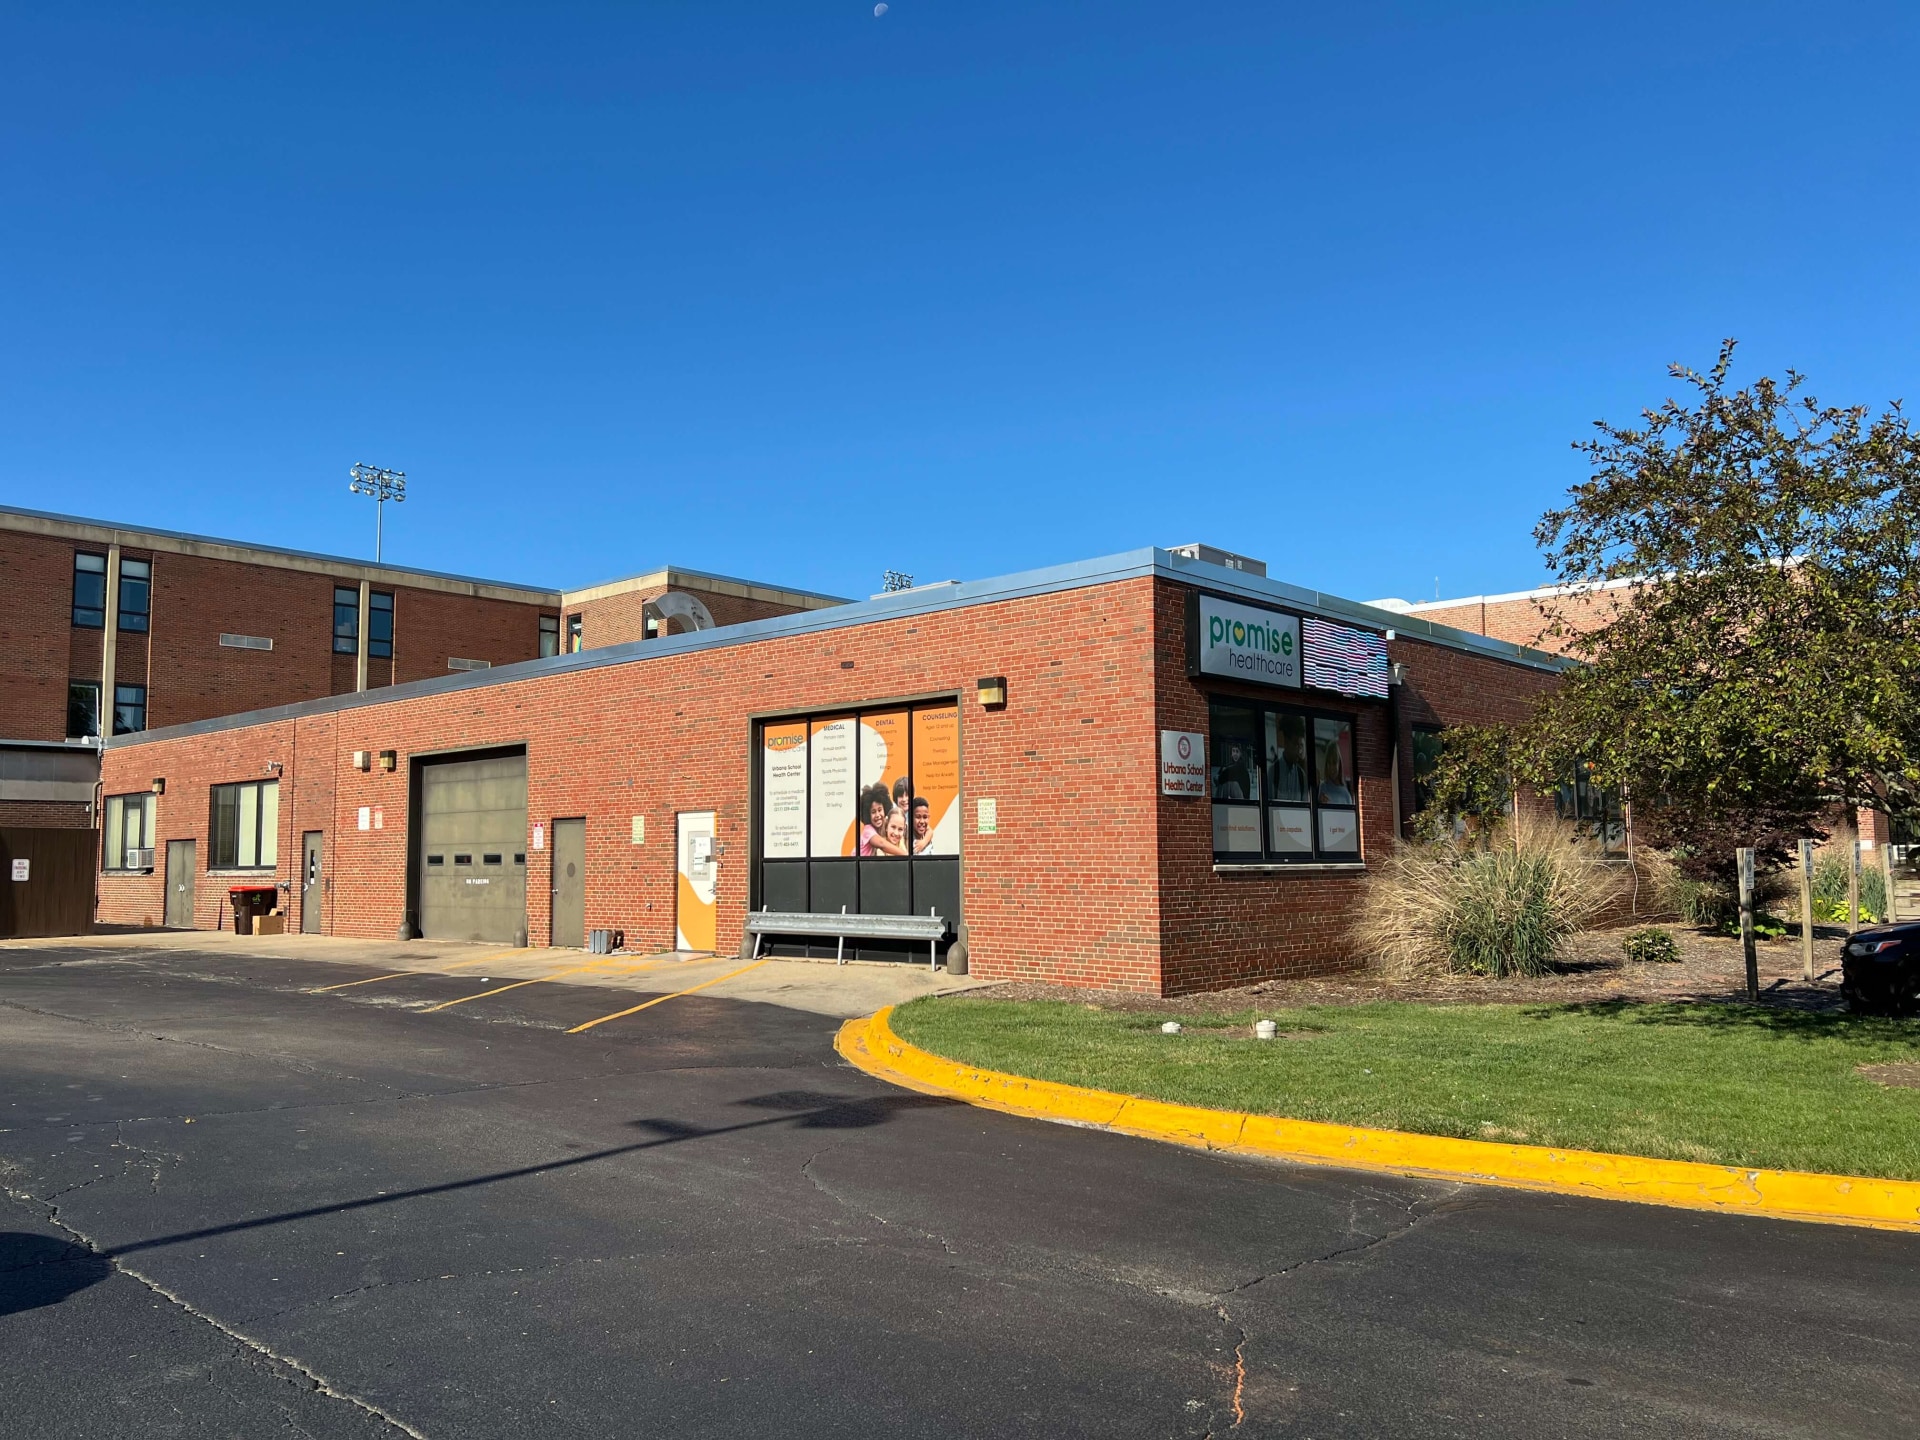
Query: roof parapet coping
[(672, 577), (1544, 592)]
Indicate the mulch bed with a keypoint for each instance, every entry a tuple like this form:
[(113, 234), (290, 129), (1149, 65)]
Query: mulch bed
[(1710, 968)]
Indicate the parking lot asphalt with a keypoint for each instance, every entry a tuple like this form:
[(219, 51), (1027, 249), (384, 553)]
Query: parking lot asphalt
[(239, 1205)]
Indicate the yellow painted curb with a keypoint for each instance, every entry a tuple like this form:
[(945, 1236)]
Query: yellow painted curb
[(869, 1044)]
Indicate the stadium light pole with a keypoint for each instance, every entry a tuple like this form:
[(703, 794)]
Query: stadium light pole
[(383, 485)]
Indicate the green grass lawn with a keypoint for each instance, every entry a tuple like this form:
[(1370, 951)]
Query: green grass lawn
[(1731, 1084)]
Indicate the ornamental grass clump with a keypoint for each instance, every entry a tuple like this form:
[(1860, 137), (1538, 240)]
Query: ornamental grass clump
[(1501, 904)]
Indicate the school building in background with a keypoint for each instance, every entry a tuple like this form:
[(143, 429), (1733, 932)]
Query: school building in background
[(1160, 771), (111, 630)]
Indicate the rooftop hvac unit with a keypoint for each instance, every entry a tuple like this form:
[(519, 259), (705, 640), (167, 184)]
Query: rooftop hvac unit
[(140, 858)]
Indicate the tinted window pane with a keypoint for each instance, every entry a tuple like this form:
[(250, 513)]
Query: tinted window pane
[(1289, 769), (1333, 762), (83, 710), (346, 621), (135, 594), (1234, 758), (380, 625), (129, 709), (90, 591)]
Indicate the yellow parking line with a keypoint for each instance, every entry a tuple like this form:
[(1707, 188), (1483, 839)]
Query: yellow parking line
[(661, 1000), (457, 965), (598, 965)]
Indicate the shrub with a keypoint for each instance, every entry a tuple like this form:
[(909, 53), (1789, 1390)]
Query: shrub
[(1502, 903), (1650, 946), (1830, 885)]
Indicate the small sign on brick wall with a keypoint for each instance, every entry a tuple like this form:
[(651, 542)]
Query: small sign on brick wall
[(366, 817), (639, 829), (22, 869), (1183, 762), (988, 817)]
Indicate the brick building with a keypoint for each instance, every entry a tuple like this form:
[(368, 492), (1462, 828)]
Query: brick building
[(104, 625), (1150, 772), (1520, 616)]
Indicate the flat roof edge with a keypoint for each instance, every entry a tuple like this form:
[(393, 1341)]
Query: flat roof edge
[(213, 547), (904, 604)]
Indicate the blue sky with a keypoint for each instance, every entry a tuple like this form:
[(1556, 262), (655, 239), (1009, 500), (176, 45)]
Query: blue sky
[(788, 291)]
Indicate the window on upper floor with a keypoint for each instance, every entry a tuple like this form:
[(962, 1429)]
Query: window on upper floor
[(129, 709), (380, 625), (549, 636), (245, 825), (128, 833), (83, 709), (346, 620), (575, 642), (90, 591), (136, 594)]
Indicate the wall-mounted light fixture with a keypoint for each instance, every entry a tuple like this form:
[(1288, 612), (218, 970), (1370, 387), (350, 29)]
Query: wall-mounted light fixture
[(1397, 673), (274, 767), (363, 759), (388, 759), (159, 784), (992, 690)]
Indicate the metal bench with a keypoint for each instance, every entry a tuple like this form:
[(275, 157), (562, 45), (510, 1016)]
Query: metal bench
[(931, 927)]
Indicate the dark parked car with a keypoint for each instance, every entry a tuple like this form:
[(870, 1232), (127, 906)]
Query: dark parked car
[(1881, 970)]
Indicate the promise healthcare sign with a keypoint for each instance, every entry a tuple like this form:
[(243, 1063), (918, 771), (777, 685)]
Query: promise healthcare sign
[(1240, 642)]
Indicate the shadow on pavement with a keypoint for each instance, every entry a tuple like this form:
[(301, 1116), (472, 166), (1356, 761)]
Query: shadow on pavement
[(811, 1111), (38, 1270)]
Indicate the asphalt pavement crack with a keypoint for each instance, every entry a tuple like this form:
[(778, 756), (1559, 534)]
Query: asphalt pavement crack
[(1416, 1211), (283, 1367), (806, 1169)]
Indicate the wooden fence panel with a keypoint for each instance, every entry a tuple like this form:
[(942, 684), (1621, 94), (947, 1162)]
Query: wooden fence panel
[(56, 895)]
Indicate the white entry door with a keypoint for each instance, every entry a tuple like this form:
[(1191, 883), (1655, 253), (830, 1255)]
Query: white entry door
[(694, 923)]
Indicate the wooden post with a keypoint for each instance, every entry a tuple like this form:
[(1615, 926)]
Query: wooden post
[(1806, 911), (1745, 855), (1853, 887)]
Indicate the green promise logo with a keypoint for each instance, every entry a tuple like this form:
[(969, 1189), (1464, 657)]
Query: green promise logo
[(1268, 639)]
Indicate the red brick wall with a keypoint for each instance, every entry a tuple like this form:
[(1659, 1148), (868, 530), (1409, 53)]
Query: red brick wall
[(45, 814), (1091, 879), (189, 675), (620, 618), (1524, 621), (1234, 926), (1070, 758), (37, 642)]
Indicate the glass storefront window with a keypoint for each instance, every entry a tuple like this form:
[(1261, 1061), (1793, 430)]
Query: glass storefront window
[(1284, 782)]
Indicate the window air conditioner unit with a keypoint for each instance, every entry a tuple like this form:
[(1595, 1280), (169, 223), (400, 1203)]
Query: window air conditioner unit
[(140, 859)]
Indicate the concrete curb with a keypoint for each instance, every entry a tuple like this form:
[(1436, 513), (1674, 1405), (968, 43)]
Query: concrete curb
[(869, 1044)]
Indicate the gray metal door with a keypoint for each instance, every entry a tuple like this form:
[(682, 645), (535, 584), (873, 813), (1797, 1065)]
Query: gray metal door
[(570, 883), (312, 883), (179, 909), (472, 849)]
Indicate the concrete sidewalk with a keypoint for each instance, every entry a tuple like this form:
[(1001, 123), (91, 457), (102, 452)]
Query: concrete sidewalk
[(817, 987)]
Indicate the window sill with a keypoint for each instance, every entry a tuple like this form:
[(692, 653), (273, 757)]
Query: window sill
[(253, 873), (120, 871), (1317, 867)]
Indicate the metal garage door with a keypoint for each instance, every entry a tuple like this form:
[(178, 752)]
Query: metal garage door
[(472, 852)]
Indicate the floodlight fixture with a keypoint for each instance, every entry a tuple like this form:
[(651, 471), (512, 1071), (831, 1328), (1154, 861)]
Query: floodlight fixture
[(383, 485)]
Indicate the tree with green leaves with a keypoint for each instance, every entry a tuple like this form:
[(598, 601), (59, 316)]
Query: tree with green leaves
[(1755, 653)]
